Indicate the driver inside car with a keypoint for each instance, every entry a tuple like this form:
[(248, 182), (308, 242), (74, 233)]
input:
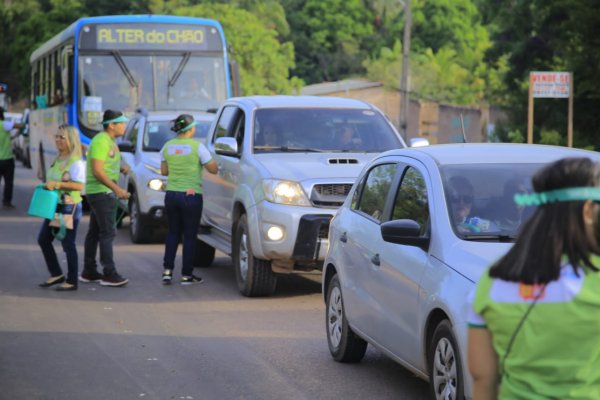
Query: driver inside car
[(461, 198)]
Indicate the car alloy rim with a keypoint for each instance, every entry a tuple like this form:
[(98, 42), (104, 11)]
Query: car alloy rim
[(335, 316), (444, 370), (244, 256)]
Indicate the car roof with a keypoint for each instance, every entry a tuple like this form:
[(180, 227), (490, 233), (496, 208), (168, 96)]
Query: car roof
[(493, 153), (169, 116), (281, 101)]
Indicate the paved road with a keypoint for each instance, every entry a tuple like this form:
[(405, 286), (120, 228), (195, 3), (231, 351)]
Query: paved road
[(149, 341)]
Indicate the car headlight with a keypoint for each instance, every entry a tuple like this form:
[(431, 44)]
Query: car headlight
[(157, 184), (285, 192)]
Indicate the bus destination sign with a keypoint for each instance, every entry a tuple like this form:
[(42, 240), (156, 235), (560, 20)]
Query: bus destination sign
[(150, 37)]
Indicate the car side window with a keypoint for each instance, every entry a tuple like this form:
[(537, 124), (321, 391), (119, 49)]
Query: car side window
[(133, 133), (224, 126), (375, 189), (411, 200)]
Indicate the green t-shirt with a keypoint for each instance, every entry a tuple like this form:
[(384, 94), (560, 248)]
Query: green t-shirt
[(185, 167), (556, 352), (71, 170), (102, 147), (5, 145)]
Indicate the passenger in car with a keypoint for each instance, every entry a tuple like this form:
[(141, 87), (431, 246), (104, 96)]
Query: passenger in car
[(508, 214), (461, 197), (267, 136), (347, 139), (533, 324)]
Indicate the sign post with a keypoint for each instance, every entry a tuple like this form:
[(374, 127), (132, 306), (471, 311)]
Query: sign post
[(550, 85)]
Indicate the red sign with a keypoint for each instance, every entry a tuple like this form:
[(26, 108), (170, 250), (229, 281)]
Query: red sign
[(550, 84)]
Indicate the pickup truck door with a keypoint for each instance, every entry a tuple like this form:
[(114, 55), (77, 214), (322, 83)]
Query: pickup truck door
[(218, 190)]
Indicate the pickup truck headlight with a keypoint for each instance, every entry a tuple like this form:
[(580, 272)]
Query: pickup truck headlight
[(157, 184), (285, 192)]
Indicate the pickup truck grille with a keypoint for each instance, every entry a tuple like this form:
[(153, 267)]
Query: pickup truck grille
[(330, 195)]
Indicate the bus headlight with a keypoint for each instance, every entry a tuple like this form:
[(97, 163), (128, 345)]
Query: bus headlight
[(157, 184), (285, 192)]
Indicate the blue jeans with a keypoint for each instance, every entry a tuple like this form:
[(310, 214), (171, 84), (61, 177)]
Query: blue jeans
[(45, 238), (183, 216), (101, 233)]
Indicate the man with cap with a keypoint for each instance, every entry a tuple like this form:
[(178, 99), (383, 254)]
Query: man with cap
[(102, 191)]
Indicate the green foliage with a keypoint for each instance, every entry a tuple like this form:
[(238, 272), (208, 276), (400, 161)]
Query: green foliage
[(328, 36), (549, 35), (516, 136), (264, 62), (551, 137)]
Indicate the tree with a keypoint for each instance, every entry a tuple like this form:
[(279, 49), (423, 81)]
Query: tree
[(329, 37), (549, 35), (264, 61)]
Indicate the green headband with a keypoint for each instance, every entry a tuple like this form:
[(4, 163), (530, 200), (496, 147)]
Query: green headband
[(187, 127), (552, 196), (122, 118)]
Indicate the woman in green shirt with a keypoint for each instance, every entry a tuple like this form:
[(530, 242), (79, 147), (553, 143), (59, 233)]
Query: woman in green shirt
[(182, 160), (67, 176), (535, 318)]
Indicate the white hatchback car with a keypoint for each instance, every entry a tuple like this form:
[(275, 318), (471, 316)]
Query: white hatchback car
[(418, 228)]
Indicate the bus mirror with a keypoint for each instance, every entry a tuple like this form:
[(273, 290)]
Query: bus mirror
[(234, 72)]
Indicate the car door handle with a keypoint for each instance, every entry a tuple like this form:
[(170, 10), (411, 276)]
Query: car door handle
[(375, 260), (344, 238)]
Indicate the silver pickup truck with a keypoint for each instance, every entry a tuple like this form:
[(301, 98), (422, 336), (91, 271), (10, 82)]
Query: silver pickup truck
[(286, 163)]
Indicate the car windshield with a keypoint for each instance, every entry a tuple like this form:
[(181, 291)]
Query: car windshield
[(323, 130), (156, 82), (480, 199), (158, 132)]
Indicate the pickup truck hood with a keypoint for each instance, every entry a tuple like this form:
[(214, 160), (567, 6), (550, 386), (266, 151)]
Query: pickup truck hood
[(302, 166)]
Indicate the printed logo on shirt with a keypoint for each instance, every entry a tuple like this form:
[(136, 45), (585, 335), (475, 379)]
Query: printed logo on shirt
[(111, 153), (562, 290), (66, 177), (179, 150), (530, 292)]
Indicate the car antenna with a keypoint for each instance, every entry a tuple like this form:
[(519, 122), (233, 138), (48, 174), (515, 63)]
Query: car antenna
[(462, 126)]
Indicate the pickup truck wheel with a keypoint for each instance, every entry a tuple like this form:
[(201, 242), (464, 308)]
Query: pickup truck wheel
[(344, 344), (254, 276), (138, 232), (204, 254)]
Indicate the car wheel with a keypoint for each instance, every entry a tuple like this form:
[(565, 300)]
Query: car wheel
[(344, 344), (254, 276), (204, 254), (138, 232), (445, 367)]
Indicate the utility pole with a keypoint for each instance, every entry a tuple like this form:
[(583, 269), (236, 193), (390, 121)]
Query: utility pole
[(404, 100)]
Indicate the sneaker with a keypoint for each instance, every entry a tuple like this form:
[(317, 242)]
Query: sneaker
[(8, 205), (114, 280), (190, 280), (167, 276), (90, 276)]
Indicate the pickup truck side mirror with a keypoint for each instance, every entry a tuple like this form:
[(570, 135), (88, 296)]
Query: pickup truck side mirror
[(126, 146), (226, 146)]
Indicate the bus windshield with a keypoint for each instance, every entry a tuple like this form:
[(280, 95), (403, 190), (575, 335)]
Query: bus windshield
[(122, 81)]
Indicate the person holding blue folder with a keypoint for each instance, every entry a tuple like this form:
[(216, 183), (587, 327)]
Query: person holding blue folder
[(67, 176)]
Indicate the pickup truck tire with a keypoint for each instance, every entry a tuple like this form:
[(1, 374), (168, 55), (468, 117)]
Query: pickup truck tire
[(204, 254), (138, 232), (254, 276)]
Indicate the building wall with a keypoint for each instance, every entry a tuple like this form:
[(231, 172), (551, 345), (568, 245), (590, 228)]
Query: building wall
[(439, 123)]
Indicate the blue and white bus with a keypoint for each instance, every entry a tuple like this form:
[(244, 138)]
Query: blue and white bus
[(124, 62)]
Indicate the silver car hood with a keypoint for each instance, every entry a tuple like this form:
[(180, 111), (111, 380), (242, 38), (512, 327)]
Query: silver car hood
[(304, 166), (471, 258), (152, 159)]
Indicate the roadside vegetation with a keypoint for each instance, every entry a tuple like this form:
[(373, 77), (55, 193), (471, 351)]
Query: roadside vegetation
[(463, 52)]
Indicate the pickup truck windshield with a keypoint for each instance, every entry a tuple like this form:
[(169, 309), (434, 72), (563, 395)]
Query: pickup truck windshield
[(323, 130)]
